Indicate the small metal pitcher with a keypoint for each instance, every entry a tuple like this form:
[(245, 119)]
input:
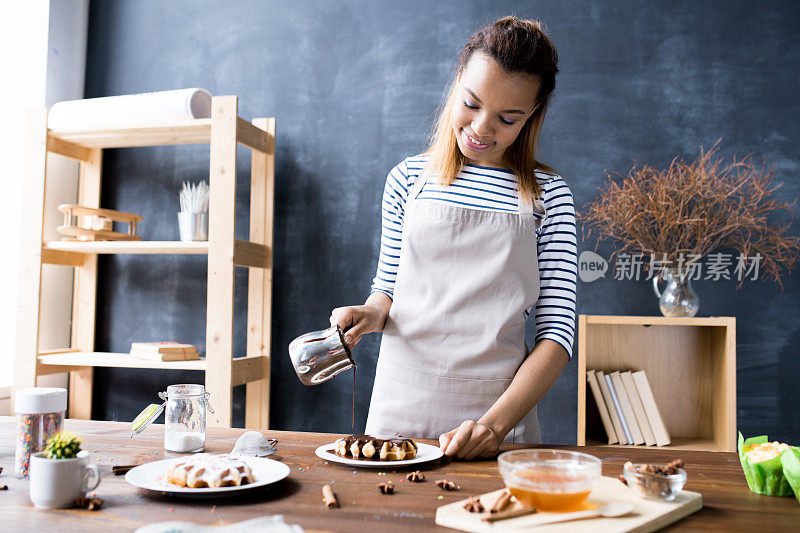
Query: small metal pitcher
[(320, 355)]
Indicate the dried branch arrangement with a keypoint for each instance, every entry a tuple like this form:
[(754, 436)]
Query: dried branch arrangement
[(694, 209)]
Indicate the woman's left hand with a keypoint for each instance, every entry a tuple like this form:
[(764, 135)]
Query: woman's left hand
[(470, 440)]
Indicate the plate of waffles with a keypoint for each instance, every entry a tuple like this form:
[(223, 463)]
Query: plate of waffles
[(207, 475), (368, 451)]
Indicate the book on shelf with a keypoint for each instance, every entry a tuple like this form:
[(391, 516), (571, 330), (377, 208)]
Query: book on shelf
[(630, 406), (612, 410), (627, 409), (651, 409), (591, 378), (164, 351), (638, 408), (614, 398)]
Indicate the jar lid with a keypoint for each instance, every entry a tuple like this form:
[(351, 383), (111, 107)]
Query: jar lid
[(39, 400), (146, 417)]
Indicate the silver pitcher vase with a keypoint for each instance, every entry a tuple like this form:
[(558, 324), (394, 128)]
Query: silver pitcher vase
[(678, 298)]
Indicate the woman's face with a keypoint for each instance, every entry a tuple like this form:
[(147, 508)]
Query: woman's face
[(490, 109)]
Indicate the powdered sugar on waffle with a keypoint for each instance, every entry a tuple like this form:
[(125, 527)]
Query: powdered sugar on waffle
[(209, 470)]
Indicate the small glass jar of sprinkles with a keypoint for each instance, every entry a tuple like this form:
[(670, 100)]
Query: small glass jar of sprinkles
[(40, 415)]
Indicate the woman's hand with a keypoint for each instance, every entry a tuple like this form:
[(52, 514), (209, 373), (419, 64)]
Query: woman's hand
[(470, 440), (358, 320)]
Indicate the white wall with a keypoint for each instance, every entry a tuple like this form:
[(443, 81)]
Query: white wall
[(42, 61), (66, 69)]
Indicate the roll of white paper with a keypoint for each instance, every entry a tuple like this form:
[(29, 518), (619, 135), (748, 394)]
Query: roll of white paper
[(130, 110)]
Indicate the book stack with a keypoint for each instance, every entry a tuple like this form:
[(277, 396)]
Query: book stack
[(627, 408), (164, 351)]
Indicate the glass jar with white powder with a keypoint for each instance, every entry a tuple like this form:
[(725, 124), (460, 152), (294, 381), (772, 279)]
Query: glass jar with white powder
[(185, 420)]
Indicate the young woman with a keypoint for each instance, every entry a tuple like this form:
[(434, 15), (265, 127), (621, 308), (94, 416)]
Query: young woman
[(477, 235)]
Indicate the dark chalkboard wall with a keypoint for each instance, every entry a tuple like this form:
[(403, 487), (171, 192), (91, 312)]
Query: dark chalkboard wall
[(354, 85)]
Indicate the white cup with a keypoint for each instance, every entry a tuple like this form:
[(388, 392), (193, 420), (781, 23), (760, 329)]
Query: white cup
[(193, 226), (57, 483)]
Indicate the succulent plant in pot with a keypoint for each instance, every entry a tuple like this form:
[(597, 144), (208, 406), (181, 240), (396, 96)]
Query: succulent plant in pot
[(60, 474), (62, 445)]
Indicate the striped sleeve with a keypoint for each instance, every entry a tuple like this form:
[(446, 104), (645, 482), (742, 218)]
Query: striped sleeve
[(395, 194), (558, 264)]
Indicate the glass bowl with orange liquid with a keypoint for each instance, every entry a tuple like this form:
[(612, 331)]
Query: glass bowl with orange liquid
[(550, 480)]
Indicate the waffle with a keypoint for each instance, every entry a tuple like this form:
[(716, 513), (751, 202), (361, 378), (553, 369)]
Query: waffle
[(206, 470), (374, 448)]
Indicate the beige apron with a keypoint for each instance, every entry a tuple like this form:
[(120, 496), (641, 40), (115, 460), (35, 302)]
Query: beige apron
[(455, 334)]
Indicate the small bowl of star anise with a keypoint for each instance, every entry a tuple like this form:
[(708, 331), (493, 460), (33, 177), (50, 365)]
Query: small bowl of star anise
[(656, 482)]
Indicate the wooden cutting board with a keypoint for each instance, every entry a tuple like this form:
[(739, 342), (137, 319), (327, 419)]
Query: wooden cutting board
[(649, 515)]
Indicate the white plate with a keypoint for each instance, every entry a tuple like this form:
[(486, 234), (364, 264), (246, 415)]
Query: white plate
[(150, 476), (425, 453)]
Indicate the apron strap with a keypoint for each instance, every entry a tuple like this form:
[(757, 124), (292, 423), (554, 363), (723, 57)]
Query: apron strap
[(535, 208), (419, 183), (525, 208)]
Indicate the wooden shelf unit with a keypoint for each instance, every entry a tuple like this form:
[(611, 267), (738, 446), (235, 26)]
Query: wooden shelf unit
[(223, 131), (690, 364)]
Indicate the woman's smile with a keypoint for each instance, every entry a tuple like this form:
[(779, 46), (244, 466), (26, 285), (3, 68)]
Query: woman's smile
[(473, 143)]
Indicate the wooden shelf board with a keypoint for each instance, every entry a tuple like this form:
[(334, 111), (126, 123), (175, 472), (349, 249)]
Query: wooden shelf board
[(184, 132), (129, 247), (660, 320), (244, 369), (677, 444), (245, 253), (116, 360), (72, 143)]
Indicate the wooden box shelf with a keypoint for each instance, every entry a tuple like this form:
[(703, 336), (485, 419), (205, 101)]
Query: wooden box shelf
[(223, 132), (690, 364)]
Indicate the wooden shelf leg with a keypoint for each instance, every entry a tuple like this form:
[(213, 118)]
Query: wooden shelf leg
[(259, 294), (221, 230), (84, 295), (581, 438), (30, 268)]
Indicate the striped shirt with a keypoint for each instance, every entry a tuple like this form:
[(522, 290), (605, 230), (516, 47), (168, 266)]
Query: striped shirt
[(492, 189)]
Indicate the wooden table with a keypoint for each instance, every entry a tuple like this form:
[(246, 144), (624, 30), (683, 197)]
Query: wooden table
[(728, 504)]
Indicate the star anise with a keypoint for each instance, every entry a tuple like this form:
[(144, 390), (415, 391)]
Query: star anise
[(473, 505), (386, 488), (415, 476), (446, 485)]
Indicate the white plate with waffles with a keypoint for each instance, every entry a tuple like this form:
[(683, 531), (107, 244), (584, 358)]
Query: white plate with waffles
[(153, 476), (425, 453)]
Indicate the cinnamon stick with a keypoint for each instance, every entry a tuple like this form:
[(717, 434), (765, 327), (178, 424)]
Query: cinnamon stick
[(510, 513), (122, 469), (330, 497), (502, 502)]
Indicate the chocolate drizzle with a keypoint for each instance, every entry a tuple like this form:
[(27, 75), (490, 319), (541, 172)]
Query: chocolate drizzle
[(350, 356), (377, 442)]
